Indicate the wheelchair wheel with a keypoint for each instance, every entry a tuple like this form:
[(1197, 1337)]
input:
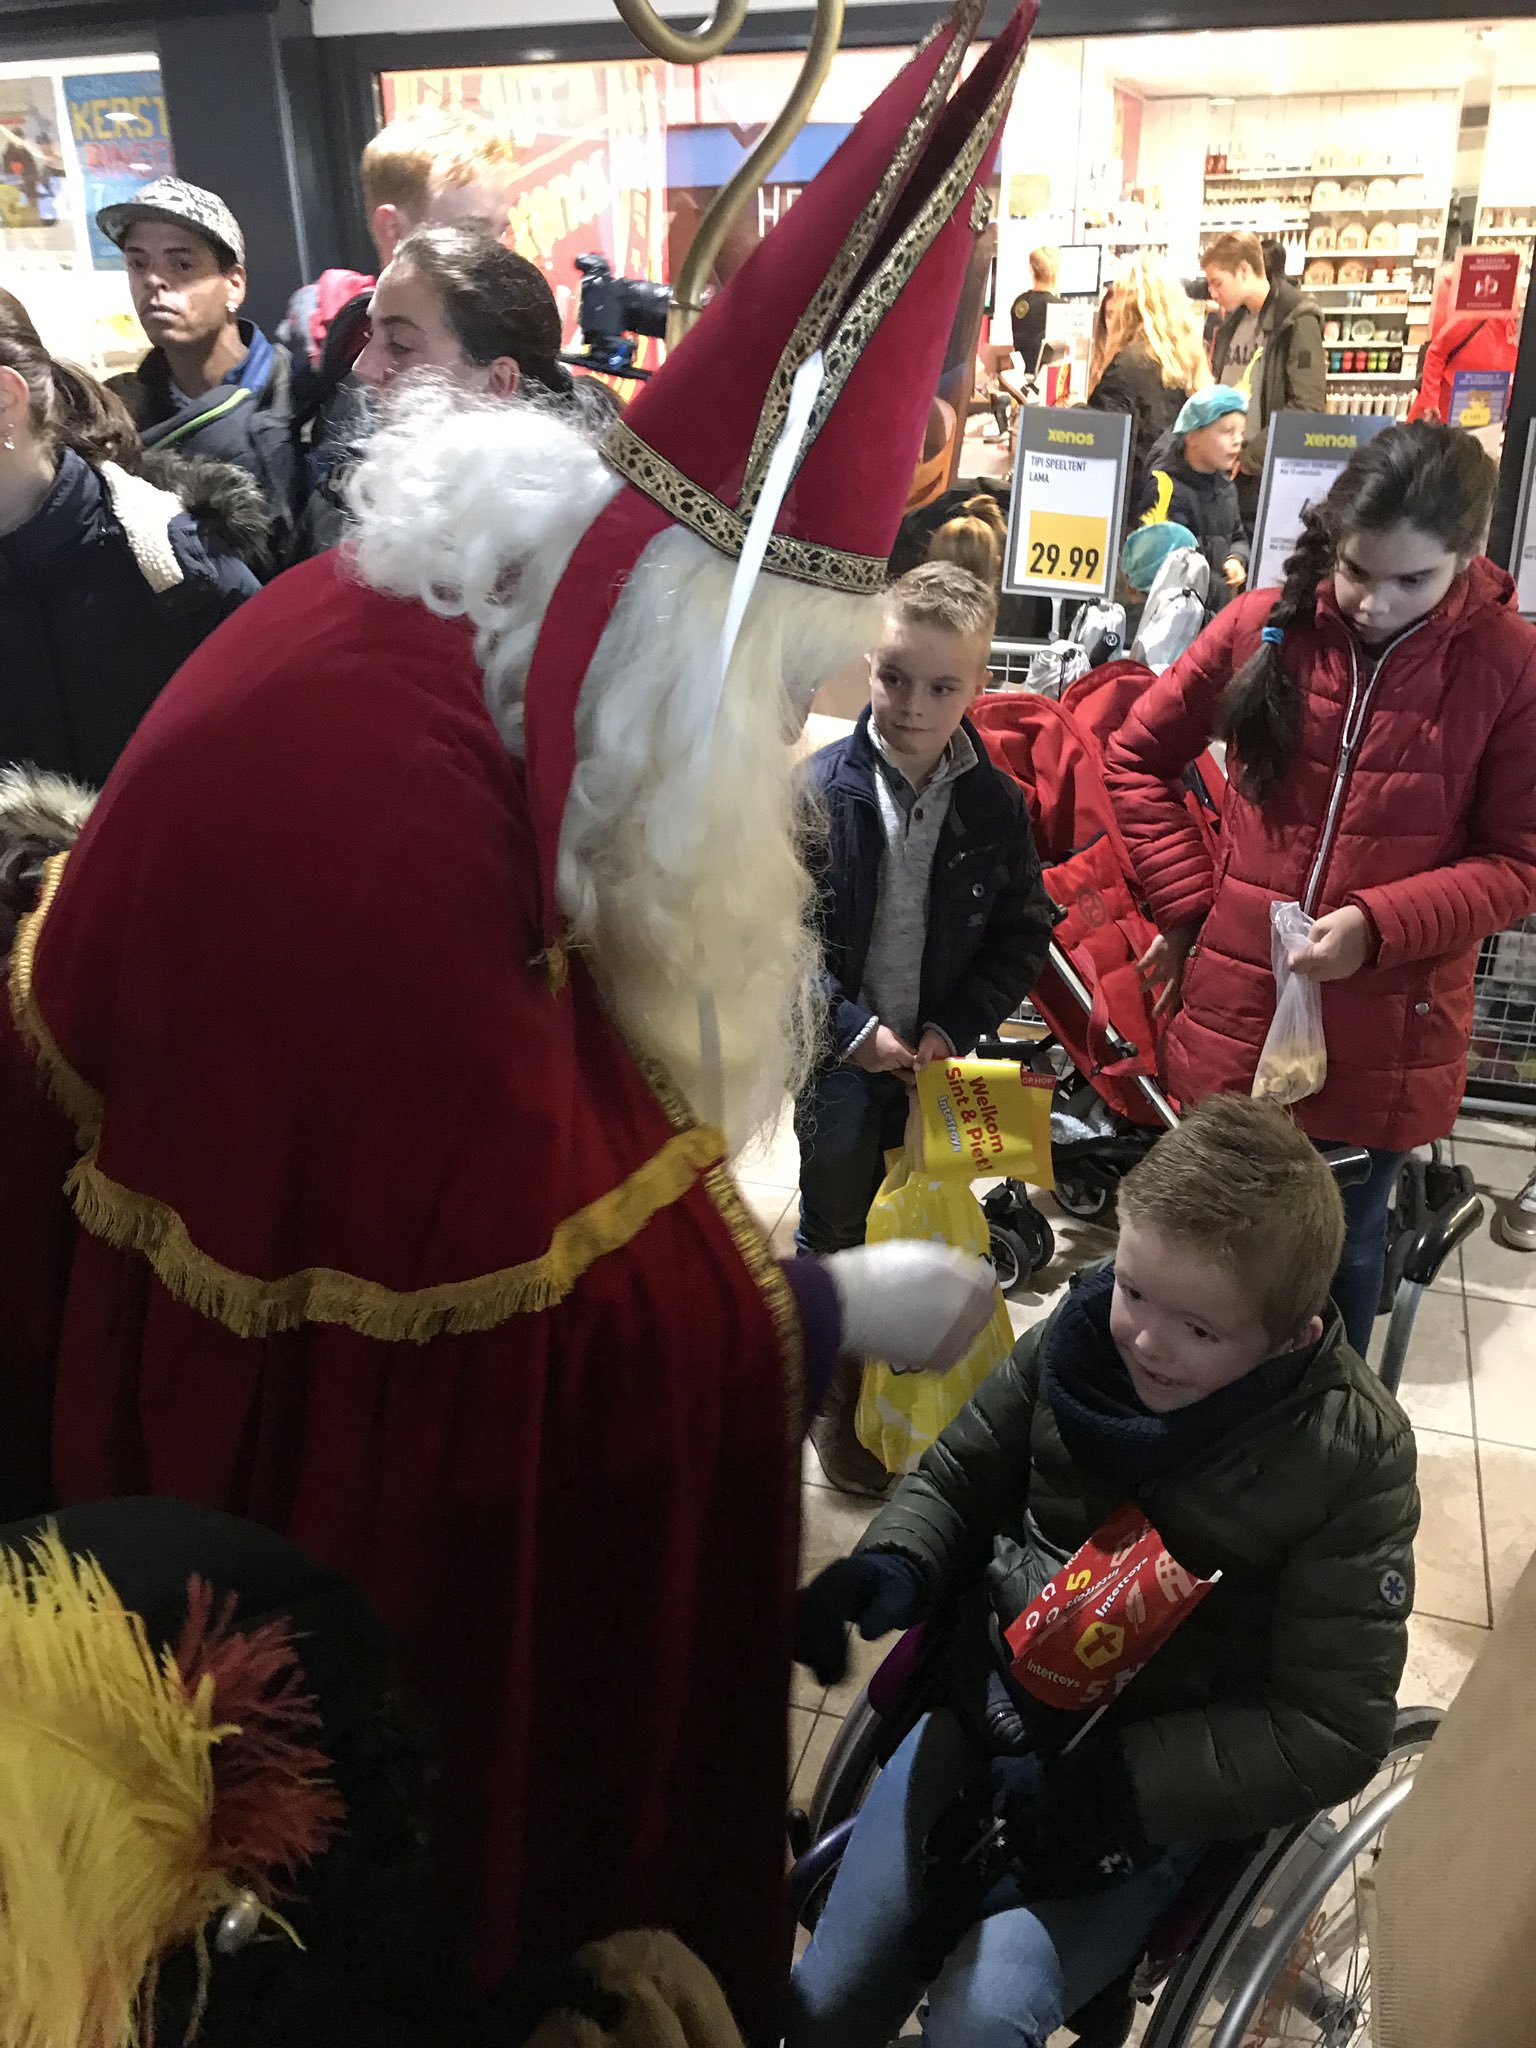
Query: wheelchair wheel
[(1286, 1961), (852, 1765)]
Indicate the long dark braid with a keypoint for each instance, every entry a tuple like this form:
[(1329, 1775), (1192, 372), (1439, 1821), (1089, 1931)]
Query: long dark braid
[(1435, 479), (1260, 710)]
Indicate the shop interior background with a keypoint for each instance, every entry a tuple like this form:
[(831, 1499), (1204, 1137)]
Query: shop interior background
[(1402, 138), (1367, 149)]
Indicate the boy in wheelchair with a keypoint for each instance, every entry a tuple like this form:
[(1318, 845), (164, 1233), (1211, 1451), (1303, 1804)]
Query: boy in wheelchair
[(1204, 1376)]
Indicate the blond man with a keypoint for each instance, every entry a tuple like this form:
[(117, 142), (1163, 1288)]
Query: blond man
[(426, 170)]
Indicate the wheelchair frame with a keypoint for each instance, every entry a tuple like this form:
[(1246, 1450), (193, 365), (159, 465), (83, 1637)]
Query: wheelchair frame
[(1231, 1944)]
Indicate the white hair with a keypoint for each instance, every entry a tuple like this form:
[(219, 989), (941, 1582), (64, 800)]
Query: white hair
[(680, 865)]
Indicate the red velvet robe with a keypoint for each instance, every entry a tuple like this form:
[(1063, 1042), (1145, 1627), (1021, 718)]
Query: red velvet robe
[(392, 1248)]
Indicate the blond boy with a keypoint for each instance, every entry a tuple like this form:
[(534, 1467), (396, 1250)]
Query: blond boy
[(932, 915)]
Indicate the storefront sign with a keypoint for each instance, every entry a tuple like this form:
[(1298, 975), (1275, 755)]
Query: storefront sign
[(122, 138), (1068, 498), (1522, 560), (1306, 452), (1486, 281)]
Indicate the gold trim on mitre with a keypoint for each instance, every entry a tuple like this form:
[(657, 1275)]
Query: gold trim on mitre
[(856, 329), (725, 526), (811, 329), (803, 561)]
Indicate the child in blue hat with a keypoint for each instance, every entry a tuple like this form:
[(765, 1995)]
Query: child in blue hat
[(1191, 485)]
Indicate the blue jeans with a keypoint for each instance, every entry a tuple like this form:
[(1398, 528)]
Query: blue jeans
[(1012, 1980), (846, 1124), (1357, 1283)]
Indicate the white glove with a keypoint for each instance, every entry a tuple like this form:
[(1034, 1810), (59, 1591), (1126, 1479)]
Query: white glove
[(919, 1306)]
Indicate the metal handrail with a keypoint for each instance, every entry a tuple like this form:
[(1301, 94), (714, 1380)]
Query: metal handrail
[(679, 46)]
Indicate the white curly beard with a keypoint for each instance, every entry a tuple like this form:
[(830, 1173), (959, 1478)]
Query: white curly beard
[(681, 866)]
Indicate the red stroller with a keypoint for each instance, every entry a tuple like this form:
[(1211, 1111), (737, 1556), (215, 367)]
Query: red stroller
[(1103, 1044)]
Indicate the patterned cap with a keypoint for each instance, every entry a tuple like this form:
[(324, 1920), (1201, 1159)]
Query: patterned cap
[(174, 199)]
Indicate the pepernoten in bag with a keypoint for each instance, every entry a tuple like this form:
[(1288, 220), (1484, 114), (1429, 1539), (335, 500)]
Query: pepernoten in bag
[(1294, 1062), (971, 1118)]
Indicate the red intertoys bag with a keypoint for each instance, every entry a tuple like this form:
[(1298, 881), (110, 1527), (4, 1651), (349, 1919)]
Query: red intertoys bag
[(1110, 1608)]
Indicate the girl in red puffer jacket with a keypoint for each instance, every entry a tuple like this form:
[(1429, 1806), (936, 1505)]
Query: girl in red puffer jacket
[(1380, 712)]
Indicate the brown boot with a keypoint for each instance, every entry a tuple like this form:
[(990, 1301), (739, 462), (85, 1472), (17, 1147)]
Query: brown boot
[(844, 1460)]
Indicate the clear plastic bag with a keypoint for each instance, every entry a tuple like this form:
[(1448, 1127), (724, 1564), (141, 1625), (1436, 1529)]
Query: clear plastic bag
[(1294, 1062)]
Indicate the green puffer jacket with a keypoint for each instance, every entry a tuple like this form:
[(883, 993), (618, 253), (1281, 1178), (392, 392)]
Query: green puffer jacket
[(1277, 1695)]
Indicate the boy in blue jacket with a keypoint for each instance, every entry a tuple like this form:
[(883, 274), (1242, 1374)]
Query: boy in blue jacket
[(933, 919)]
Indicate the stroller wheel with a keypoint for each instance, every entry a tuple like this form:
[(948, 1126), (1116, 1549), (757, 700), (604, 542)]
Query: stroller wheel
[(1039, 1238), (1009, 1256), (1021, 1246), (1084, 1194)]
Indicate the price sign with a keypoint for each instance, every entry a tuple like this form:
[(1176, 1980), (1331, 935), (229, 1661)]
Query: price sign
[(1068, 498), (1306, 451), (1068, 545)]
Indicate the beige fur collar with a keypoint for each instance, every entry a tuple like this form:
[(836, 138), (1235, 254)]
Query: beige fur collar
[(145, 513)]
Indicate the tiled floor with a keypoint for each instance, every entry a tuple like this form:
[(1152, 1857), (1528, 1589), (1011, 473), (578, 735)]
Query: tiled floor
[(1470, 1388)]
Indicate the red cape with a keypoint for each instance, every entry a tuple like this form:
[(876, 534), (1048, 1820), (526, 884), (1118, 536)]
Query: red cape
[(392, 1248)]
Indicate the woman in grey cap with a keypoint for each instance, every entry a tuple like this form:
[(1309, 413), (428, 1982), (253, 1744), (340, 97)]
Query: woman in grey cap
[(212, 383)]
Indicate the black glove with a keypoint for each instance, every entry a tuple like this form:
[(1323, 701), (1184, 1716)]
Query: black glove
[(1070, 1824), (879, 1590)]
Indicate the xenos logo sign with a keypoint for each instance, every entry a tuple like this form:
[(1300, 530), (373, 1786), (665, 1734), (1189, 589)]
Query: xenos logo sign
[(1073, 440)]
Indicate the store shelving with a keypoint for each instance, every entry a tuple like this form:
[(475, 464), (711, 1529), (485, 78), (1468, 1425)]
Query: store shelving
[(1333, 255), (1311, 175), (1289, 208), (1373, 376)]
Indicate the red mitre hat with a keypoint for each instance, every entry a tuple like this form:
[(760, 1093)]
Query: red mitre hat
[(867, 267)]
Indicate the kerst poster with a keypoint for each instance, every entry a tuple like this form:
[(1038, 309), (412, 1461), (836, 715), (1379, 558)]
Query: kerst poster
[(122, 138)]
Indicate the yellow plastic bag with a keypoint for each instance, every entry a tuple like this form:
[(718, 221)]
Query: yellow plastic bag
[(984, 1118), (900, 1414)]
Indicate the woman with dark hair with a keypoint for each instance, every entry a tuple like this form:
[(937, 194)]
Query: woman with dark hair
[(457, 304), (460, 303), (1380, 711), (107, 581)]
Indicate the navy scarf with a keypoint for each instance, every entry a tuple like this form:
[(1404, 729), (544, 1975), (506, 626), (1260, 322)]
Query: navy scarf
[(1104, 1423)]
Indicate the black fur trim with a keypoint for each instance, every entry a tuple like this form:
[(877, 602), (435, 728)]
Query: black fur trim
[(225, 501)]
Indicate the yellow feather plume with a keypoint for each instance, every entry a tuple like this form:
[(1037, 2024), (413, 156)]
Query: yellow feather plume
[(106, 1792)]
